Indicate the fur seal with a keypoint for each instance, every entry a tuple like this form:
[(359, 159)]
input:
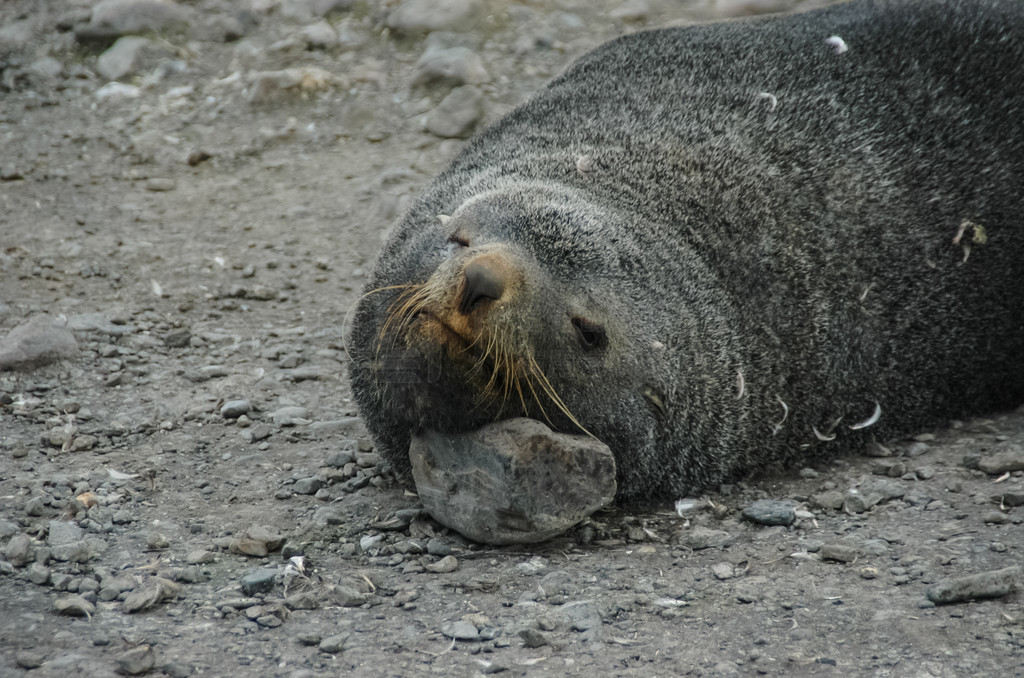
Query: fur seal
[(724, 247)]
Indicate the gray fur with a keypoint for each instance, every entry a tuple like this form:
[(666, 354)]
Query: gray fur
[(741, 199)]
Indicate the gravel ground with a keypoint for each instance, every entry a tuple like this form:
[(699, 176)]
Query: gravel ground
[(191, 194)]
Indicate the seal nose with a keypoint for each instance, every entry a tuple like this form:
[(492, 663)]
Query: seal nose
[(484, 281)]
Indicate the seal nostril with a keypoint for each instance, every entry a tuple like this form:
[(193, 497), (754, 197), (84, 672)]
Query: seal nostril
[(483, 283)]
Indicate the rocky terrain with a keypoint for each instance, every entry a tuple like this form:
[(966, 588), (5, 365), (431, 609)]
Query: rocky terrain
[(191, 195)]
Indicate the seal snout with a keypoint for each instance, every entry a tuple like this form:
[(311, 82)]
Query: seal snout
[(485, 279)]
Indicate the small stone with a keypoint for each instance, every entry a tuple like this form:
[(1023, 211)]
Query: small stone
[(996, 518), (127, 56), (722, 571), (307, 486), (39, 574), (418, 17), (28, 660), (74, 606), (1007, 457), (457, 114), (273, 539), (830, 499), (699, 538), (154, 591), (306, 600), (36, 342), (20, 550), (177, 339), (233, 409), (445, 565), (113, 18), (340, 459), (770, 512), (991, 584), (61, 532), (631, 10), (460, 630), (533, 638), (451, 67), (333, 644), (36, 506), (320, 35), (839, 552), (269, 621), (258, 581), (291, 415), (136, 661), (200, 557)]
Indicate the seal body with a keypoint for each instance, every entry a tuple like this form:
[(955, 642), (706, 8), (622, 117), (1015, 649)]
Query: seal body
[(724, 247)]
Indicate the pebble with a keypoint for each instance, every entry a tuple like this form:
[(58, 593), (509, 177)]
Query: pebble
[(770, 512), (114, 18), (306, 10), (291, 415), (266, 86), (154, 591), (61, 532), (333, 644), (258, 581), (1007, 457), (307, 485), (450, 67), (340, 459), (161, 185), (722, 571), (460, 630), (991, 584), (529, 485), (39, 574), (839, 552), (533, 638), (36, 342), (233, 409), (74, 606), (996, 517), (28, 659), (20, 550), (136, 661), (418, 17), (699, 538), (457, 114), (126, 56), (200, 557), (320, 35), (632, 10), (445, 565)]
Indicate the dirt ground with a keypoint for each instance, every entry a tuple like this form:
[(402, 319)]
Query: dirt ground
[(191, 492)]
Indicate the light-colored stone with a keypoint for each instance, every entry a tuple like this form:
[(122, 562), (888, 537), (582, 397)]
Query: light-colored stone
[(514, 481)]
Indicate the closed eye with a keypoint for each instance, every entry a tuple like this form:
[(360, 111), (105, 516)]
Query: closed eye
[(590, 335)]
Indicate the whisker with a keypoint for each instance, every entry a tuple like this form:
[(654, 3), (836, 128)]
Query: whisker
[(352, 308)]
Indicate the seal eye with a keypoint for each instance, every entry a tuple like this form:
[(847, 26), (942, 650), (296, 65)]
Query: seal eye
[(590, 334)]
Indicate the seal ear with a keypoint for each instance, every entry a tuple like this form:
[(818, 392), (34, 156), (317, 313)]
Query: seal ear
[(590, 334)]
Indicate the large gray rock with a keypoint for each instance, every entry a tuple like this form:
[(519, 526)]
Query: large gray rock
[(37, 341), (512, 482)]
